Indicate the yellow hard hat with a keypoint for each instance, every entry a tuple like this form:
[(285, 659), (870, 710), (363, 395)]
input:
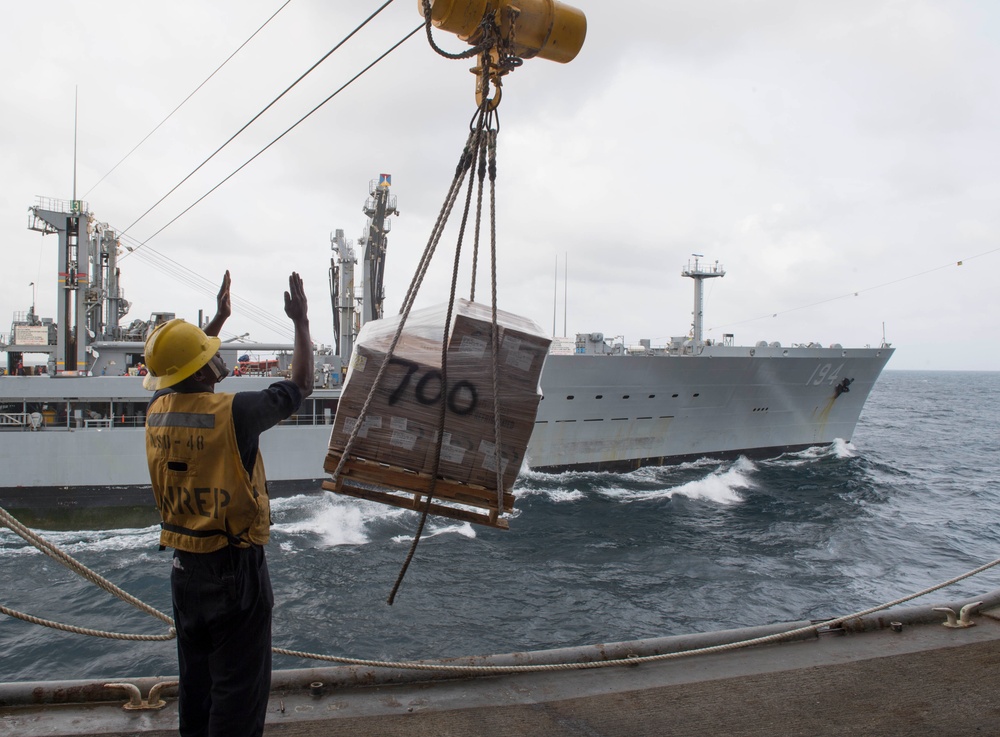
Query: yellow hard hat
[(175, 351)]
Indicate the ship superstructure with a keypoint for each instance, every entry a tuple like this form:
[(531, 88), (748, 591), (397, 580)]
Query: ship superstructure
[(90, 302)]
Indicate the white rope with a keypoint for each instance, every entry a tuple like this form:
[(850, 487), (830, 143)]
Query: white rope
[(766, 639), (77, 567), (85, 630), (51, 550)]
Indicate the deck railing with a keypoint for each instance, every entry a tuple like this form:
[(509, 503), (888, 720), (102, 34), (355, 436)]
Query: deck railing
[(14, 419)]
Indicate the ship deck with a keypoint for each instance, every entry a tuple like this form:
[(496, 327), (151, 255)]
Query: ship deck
[(865, 678)]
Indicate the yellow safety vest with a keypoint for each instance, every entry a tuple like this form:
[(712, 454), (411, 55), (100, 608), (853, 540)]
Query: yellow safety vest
[(206, 498)]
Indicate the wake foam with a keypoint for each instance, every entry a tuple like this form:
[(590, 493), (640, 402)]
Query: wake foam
[(327, 521), (332, 520), (555, 495), (721, 486), (129, 539), (839, 449), (433, 529)]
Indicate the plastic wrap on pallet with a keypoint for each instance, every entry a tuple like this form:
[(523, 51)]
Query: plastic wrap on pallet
[(401, 425)]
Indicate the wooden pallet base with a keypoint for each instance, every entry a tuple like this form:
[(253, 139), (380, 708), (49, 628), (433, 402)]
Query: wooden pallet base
[(400, 487)]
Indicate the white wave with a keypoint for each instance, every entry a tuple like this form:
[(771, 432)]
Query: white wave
[(643, 473), (76, 541), (665, 474), (564, 495), (332, 520), (721, 486), (840, 448), (543, 477), (554, 495), (464, 529)]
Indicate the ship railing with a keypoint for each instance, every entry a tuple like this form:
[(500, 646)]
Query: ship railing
[(103, 422), (56, 205), (22, 420), (14, 419), (308, 419), (314, 411)]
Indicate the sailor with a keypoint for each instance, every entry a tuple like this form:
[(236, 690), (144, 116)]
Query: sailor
[(208, 481)]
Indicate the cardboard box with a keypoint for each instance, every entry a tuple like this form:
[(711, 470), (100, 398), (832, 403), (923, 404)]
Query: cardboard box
[(404, 415)]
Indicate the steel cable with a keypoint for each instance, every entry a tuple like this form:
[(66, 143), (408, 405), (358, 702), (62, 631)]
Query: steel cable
[(193, 92), (259, 114)]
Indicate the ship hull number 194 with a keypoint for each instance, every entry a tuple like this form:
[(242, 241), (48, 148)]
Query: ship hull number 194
[(825, 372)]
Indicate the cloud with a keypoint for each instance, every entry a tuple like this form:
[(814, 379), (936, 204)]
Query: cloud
[(816, 150)]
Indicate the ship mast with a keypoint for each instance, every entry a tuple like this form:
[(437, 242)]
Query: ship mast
[(699, 274)]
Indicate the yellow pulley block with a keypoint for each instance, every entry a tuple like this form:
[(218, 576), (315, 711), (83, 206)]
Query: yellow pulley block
[(547, 29)]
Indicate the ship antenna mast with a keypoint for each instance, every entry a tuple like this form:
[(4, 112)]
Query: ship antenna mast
[(699, 274), (76, 117), (555, 294)]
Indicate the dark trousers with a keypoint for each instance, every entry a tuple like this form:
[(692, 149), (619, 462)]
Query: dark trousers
[(222, 611)]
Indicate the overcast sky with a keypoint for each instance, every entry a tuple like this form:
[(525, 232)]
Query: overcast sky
[(838, 159)]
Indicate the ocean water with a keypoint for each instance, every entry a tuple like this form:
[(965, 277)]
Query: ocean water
[(590, 557)]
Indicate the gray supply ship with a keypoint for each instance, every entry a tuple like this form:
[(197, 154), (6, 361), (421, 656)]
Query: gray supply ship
[(608, 407), (74, 435)]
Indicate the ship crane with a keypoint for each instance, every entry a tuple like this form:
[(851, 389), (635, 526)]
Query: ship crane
[(350, 312), (378, 207), (342, 294)]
